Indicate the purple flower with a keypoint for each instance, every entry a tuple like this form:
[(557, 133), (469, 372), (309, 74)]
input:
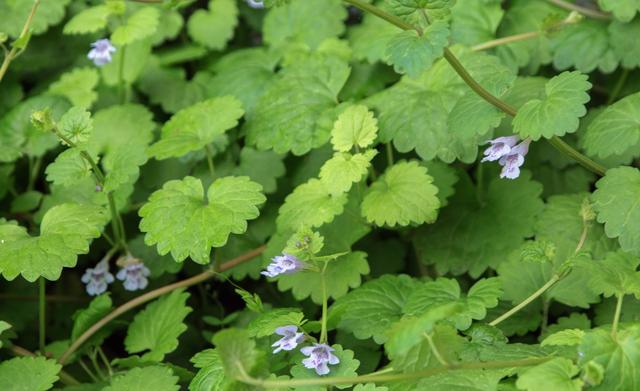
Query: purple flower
[(283, 264), (258, 4), (319, 356), (500, 147), (134, 275), (512, 162), (290, 338), (97, 278), (101, 52)]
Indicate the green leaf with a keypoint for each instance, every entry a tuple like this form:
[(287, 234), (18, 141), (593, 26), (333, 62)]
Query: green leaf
[(416, 11), (157, 378), (567, 337), (26, 202), (475, 22), (444, 177), (211, 374), (141, 24), (180, 204), (628, 50), (346, 367), (214, 27), (121, 126), (88, 20), (369, 310), (370, 38), (195, 127), (68, 169), (158, 326), (288, 117), (122, 166), (290, 23), (341, 274), (15, 13), (412, 53), (585, 46), (236, 349), (559, 112), (76, 126), (85, 318), (507, 216), (623, 10), (616, 275), (616, 201), (556, 374), (355, 127), (616, 130), (266, 323), (78, 86), (620, 357), (344, 169), (311, 204), (28, 373), (404, 194), (263, 167), (66, 231)]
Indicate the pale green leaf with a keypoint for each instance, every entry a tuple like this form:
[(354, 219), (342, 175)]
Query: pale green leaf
[(179, 220), (213, 28), (68, 169), (567, 337), (412, 53), (76, 126), (138, 26), (263, 167), (416, 11), (195, 127), (474, 22), (236, 349), (158, 326), (137, 56), (628, 50), (123, 166), (559, 112), (369, 39), (557, 374), (623, 10), (120, 126), (210, 375), (585, 46), (403, 195), (78, 86), (28, 374), (157, 378), (355, 127), (444, 177), (65, 232), (615, 275), (344, 169), (88, 20), (266, 323), (15, 13)]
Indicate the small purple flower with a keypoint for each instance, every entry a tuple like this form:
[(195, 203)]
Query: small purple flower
[(258, 4), (290, 338), (319, 356), (500, 147), (512, 162), (134, 275), (283, 264), (97, 278), (101, 51)]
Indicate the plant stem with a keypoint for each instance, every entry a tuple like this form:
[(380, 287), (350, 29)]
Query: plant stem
[(338, 380), (323, 329), (42, 313), (506, 40), (389, 149), (84, 366), (104, 359), (476, 87), (64, 376), (131, 304), (595, 14), (13, 53), (526, 301), (616, 316), (618, 87), (209, 153)]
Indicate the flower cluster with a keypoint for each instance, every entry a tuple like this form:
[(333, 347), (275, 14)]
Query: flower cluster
[(133, 273), (509, 154), (101, 51), (283, 264)]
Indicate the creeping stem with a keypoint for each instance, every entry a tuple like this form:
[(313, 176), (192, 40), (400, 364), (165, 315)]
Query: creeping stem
[(477, 88), (15, 51), (323, 330)]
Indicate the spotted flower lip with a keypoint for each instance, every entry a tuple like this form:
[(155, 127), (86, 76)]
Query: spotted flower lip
[(290, 338), (500, 147), (134, 276), (101, 52), (97, 278), (512, 162), (320, 356), (283, 264)]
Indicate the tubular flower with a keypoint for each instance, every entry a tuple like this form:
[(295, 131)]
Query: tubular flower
[(134, 275), (283, 264), (290, 338), (319, 357), (101, 51), (97, 278)]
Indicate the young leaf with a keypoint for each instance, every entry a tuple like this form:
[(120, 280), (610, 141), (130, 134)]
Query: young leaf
[(158, 326), (178, 220), (78, 86), (311, 204), (344, 169), (88, 20), (195, 127), (559, 112), (556, 374), (214, 28), (139, 25), (412, 53), (157, 378), (616, 130), (341, 274), (66, 231), (355, 127), (76, 125), (369, 310), (405, 194), (28, 373), (616, 200)]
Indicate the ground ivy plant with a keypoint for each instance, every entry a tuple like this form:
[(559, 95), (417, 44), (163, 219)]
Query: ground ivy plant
[(374, 195)]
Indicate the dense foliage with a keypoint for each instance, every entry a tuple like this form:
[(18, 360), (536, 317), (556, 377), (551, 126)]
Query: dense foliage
[(316, 194)]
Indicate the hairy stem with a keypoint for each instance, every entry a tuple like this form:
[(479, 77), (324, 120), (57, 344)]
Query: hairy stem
[(13, 53), (131, 304), (595, 14), (476, 87), (382, 378), (526, 301), (41, 313), (616, 316)]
